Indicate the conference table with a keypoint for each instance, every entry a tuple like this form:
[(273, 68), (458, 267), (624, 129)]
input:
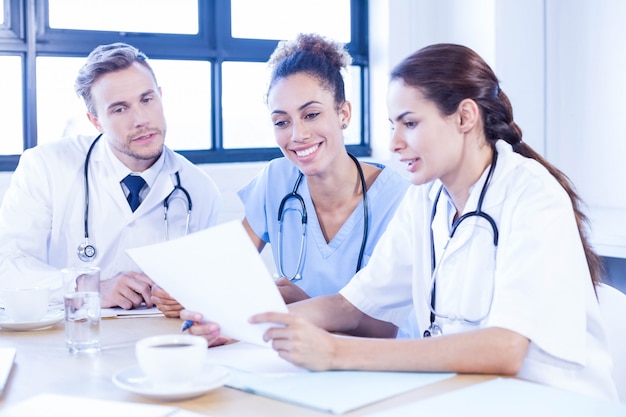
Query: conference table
[(43, 365)]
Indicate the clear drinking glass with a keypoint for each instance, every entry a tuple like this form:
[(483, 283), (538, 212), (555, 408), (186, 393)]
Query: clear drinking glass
[(82, 309)]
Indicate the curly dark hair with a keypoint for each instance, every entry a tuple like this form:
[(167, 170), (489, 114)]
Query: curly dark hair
[(314, 55)]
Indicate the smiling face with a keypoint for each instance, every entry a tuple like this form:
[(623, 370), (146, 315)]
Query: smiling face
[(129, 113), (307, 123), (428, 142)]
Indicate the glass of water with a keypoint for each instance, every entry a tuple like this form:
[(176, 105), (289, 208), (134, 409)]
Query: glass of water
[(82, 309)]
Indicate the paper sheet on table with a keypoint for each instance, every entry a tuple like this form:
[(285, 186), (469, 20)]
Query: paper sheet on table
[(511, 398), (252, 358), (261, 371), (46, 405), (7, 357), (135, 312), (217, 272)]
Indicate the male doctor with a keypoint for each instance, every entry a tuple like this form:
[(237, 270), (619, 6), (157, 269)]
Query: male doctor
[(70, 203)]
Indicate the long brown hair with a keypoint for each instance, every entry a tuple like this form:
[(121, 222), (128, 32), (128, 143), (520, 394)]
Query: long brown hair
[(446, 74)]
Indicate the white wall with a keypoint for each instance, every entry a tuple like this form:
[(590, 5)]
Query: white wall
[(508, 35), (586, 107), (563, 65)]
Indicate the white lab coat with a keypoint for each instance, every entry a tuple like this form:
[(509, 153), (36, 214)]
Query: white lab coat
[(542, 286), (42, 215)]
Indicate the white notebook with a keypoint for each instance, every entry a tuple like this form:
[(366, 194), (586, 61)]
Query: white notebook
[(7, 356)]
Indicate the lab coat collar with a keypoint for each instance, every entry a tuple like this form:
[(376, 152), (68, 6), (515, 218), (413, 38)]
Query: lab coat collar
[(121, 170), (162, 182), (494, 197), (507, 161)]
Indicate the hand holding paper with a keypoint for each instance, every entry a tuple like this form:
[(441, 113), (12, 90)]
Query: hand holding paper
[(217, 272)]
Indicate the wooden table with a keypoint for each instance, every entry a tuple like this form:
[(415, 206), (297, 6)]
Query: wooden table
[(43, 365)]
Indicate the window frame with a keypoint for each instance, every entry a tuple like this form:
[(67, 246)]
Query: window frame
[(26, 33)]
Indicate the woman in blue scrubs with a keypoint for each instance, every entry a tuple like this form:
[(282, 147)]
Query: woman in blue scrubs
[(347, 203)]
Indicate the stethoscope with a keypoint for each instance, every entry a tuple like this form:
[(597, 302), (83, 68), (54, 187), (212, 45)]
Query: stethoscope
[(434, 329), (304, 218), (86, 250)]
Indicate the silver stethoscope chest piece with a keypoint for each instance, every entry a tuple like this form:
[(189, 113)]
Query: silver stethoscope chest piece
[(86, 251), (433, 330)]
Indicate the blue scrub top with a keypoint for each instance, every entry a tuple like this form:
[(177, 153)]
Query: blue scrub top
[(327, 266)]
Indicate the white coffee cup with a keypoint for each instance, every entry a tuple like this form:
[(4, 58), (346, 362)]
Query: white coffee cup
[(25, 305), (172, 359)]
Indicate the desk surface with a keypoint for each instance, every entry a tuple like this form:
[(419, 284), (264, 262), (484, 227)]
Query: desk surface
[(43, 365)]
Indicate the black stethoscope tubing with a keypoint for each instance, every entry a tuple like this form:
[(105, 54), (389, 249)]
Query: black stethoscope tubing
[(304, 219), (434, 329), (86, 250)]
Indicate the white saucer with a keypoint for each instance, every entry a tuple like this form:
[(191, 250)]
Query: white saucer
[(51, 318), (133, 379)]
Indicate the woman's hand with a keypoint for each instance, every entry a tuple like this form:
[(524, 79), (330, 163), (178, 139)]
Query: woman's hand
[(299, 341), (165, 303), (209, 330), (290, 291)]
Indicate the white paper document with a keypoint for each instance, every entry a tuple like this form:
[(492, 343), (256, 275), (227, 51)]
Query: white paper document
[(261, 371), (219, 273), (508, 397), (142, 311), (55, 405), (252, 358), (7, 356), (335, 392)]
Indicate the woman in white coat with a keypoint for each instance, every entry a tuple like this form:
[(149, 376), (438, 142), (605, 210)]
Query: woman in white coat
[(488, 247)]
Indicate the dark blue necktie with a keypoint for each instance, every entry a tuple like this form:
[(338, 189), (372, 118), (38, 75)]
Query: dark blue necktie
[(134, 183)]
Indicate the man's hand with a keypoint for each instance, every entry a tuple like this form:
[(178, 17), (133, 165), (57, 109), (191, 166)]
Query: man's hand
[(127, 290)]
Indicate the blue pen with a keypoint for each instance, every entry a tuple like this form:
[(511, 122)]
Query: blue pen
[(186, 325)]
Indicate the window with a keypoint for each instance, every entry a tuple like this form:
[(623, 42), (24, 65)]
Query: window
[(11, 108), (208, 55), (161, 16), (259, 19)]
